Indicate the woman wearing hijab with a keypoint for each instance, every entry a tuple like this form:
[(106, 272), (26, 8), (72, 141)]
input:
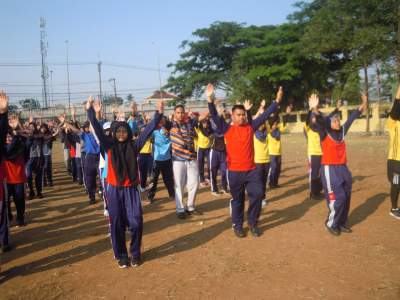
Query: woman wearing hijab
[(123, 197)]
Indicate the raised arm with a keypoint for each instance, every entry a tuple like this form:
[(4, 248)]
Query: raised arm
[(264, 116), (3, 121), (356, 114), (148, 130), (92, 108), (219, 121), (395, 112)]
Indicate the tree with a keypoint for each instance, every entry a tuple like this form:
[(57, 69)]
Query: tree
[(129, 98), (12, 108), (111, 100), (29, 104)]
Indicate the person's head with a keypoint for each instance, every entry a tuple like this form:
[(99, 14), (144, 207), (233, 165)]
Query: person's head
[(239, 115), (9, 136), (32, 127), (86, 127), (335, 122), (44, 128), (179, 113), (122, 132), (163, 121), (273, 121)]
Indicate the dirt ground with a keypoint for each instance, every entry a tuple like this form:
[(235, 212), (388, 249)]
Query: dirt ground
[(64, 252)]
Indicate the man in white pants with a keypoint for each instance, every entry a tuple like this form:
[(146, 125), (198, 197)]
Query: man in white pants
[(184, 162)]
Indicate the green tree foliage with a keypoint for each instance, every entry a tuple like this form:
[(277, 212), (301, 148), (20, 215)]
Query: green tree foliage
[(111, 100), (29, 104)]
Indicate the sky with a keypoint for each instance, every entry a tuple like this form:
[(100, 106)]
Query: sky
[(132, 33)]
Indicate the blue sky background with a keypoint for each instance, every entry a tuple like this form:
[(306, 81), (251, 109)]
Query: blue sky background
[(125, 32)]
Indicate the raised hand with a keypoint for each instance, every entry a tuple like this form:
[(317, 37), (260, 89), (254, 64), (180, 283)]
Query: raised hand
[(313, 101), (133, 107), (364, 103), (89, 102), (210, 93), (31, 119), (279, 95), (3, 102), (288, 109), (73, 111), (247, 104), (338, 103), (263, 103), (160, 106), (97, 106)]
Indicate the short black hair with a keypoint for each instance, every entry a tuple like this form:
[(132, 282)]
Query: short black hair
[(179, 106), (237, 106)]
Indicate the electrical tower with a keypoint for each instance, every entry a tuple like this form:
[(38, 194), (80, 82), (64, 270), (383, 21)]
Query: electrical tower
[(45, 69)]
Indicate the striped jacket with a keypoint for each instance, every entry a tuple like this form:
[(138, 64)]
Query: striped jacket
[(182, 140)]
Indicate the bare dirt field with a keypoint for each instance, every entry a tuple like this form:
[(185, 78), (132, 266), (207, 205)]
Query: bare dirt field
[(65, 253)]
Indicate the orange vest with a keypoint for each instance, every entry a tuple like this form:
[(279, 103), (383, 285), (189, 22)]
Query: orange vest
[(333, 152), (240, 148), (112, 176), (15, 170)]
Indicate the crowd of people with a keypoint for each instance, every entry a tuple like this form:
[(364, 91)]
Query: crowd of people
[(119, 162)]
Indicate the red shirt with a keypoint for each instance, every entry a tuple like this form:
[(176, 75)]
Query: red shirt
[(15, 170), (240, 148), (72, 152), (112, 176), (333, 152)]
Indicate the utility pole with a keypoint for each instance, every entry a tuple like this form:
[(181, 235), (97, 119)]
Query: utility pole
[(51, 89), (69, 91), (43, 51), (115, 89), (99, 70)]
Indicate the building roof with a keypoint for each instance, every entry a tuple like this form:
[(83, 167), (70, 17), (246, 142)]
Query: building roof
[(162, 95)]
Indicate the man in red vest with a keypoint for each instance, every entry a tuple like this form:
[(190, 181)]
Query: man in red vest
[(336, 177), (242, 172)]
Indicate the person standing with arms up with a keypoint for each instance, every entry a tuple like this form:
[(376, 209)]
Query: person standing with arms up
[(242, 172)]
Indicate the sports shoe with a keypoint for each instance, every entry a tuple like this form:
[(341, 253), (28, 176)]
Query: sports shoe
[(123, 263), (105, 213), (345, 229), (31, 196), (92, 201), (395, 213), (264, 202), (20, 223), (224, 191), (181, 215), (135, 262), (204, 184), (6, 248), (216, 193), (40, 196), (239, 232), (193, 212), (255, 231), (333, 231)]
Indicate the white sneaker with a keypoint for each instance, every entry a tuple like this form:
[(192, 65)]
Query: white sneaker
[(217, 194), (264, 202), (105, 213), (395, 213)]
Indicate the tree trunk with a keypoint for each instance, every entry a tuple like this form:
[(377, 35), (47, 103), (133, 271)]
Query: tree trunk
[(366, 88)]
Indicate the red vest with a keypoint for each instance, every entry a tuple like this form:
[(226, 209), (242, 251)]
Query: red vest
[(112, 176), (72, 152), (240, 148), (15, 170), (333, 152)]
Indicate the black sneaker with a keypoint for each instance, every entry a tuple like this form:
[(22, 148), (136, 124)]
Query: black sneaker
[(150, 199), (135, 262), (333, 231), (345, 229), (395, 213), (316, 196), (21, 223), (239, 232), (40, 196), (6, 248), (255, 231), (31, 196), (92, 201), (193, 212), (181, 215), (123, 263)]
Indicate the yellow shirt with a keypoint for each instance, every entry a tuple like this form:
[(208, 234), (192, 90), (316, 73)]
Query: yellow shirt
[(203, 141), (274, 145), (261, 155), (147, 147), (394, 139), (313, 142)]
